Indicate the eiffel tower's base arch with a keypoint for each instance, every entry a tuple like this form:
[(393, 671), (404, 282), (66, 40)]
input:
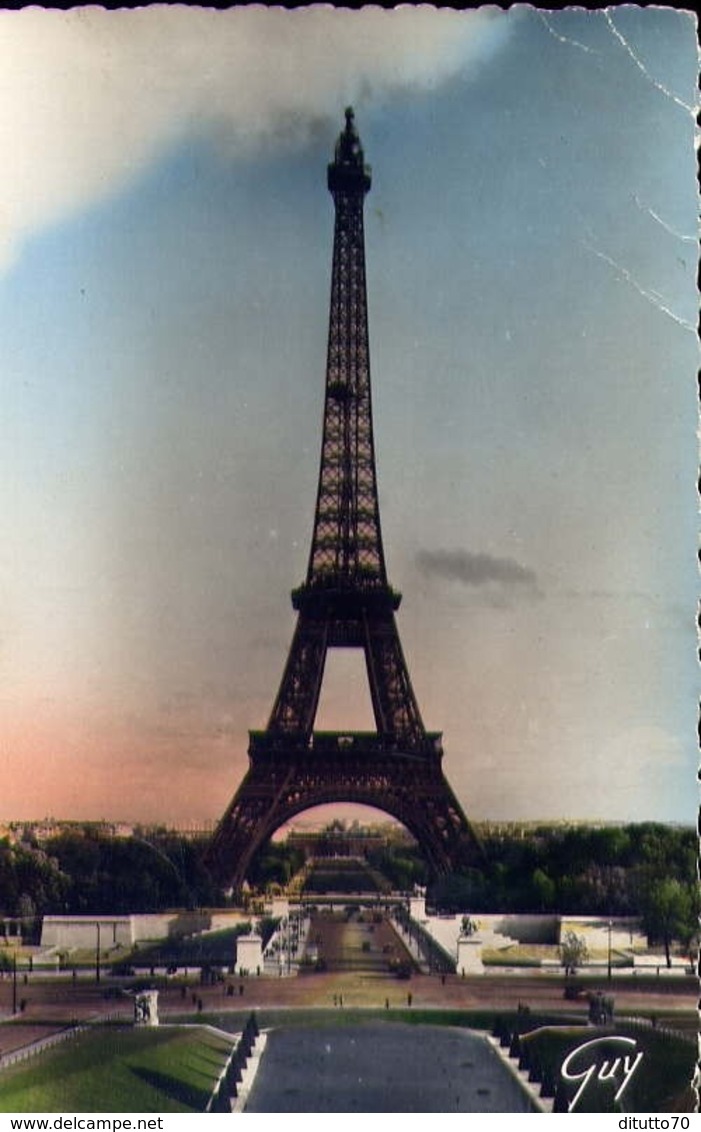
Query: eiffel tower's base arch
[(349, 768)]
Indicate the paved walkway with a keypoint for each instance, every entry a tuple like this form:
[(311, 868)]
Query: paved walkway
[(383, 1067), (54, 1004), (357, 943)]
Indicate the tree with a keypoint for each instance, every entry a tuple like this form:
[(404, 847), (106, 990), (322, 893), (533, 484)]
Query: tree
[(573, 952), (669, 913), (544, 890), (27, 911)]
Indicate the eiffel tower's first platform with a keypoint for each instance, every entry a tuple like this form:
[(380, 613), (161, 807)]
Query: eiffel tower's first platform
[(345, 602)]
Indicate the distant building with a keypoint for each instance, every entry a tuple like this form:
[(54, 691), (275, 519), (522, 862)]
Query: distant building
[(337, 843)]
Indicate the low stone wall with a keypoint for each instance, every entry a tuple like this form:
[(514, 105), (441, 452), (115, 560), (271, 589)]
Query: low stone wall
[(13, 1057), (496, 931), (168, 925), (71, 932), (68, 933)]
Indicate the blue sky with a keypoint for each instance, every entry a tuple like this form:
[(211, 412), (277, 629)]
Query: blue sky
[(165, 255)]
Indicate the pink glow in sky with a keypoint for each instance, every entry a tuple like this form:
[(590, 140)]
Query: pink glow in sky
[(165, 264)]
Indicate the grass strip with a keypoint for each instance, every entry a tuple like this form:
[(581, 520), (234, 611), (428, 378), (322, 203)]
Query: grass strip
[(119, 1069)]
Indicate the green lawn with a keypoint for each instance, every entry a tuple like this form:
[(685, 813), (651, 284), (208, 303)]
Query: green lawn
[(119, 1070)]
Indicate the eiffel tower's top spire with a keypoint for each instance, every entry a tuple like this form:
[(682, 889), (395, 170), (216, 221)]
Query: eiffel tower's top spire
[(348, 171), (346, 550)]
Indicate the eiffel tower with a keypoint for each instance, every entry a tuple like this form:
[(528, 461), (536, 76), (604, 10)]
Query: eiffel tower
[(345, 602)]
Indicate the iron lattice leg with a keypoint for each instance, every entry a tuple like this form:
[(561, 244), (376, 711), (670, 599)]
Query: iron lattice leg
[(396, 710), (295, 708)]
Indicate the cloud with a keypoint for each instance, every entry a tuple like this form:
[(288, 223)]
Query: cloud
[(476, 569), (90, 97)]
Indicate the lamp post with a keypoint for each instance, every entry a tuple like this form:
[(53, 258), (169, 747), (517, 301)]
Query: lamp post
[(610, 925), (14, 982), (97, 953)]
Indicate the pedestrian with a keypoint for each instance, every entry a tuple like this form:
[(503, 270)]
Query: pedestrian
[(386, 1004), (409, 999)]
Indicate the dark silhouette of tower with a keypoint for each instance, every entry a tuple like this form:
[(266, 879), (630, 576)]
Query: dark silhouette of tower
[(346, 601)]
